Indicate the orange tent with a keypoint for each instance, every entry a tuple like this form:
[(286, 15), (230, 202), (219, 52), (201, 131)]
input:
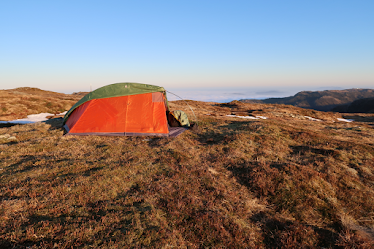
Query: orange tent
[(121, 109)]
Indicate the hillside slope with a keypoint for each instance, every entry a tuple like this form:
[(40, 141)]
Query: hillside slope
[(319, 100), (358, 106), (19, 102), (285, 181)]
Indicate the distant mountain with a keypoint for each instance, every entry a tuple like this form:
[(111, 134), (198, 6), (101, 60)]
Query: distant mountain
[(320, 100), (358, 106)]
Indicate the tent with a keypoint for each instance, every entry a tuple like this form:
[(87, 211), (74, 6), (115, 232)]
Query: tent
[(122, 109)]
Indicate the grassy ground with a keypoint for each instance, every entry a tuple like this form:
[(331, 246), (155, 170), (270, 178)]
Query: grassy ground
[(20, 102), (284, 182)]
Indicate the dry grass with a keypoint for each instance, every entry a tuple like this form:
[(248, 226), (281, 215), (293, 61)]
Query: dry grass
[(20, 102), (282, 182)]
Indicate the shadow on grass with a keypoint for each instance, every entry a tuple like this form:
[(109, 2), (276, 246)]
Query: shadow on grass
[(224, 133), (157, 141), (6, 125), (55, 124), (87, 172), (27, 162), (92, 224), (19, 167), (303, 150), (268, 181), (280, 233), (221, 134)]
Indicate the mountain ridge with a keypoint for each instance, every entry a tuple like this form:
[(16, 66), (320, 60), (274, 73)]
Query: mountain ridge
[(319, 100)]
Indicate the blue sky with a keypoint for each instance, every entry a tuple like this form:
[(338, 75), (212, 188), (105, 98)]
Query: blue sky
[(70, 46)]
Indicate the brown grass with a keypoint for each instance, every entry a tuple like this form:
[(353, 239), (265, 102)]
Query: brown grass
[(20, 102), (283, 182)]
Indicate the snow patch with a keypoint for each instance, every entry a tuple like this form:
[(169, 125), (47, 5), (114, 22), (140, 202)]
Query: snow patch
[(33, 118), (247, 117), (345, 120), (262, 117), (312, 119)]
